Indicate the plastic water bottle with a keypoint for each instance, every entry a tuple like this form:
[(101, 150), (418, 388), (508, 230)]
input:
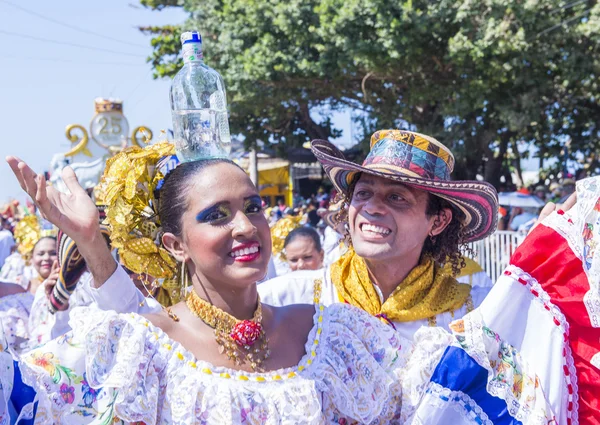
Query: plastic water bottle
[(199, 106)]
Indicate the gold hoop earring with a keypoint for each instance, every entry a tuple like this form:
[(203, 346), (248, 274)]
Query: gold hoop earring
[(183, 283), (184, 280)]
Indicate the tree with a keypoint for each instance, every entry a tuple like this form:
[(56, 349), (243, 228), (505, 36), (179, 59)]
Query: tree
[(482, 76)]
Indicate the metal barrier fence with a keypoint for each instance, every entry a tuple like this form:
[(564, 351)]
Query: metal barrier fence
[(493, 253)]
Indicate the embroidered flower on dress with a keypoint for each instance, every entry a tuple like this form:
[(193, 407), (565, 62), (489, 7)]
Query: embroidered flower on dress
[(45, 361), (458, 326), (379, 355), (89, 394), (68, 393)]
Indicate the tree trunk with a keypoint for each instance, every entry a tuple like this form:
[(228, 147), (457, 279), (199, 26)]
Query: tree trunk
[(517, 164), (313, 129), (493, 168)]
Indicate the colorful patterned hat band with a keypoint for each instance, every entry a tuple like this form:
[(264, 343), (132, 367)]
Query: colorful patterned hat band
[(411, 153), (72, 266)]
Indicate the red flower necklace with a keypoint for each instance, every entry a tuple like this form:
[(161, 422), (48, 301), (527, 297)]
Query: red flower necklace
[(236, 338)]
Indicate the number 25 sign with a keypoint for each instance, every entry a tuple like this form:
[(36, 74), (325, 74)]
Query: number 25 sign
[(109, 128)]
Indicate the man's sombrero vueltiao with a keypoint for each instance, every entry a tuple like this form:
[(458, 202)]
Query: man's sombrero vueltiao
[(421, 162)]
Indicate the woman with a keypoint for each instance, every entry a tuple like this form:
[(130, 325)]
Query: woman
[(219, 233), (255, 363), (36, 252), (43, 256), (303, 249)]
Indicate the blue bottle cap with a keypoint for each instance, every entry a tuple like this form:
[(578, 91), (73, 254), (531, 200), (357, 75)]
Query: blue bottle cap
[(191, 37)]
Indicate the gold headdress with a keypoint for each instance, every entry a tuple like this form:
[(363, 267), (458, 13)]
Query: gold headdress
[(127, 190), (280, 231), (28, 232)]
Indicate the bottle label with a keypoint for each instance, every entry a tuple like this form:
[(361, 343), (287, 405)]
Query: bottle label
[(192, 52)]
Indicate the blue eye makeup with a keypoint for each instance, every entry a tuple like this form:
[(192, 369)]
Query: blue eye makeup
[(214, 213), (253, 205), (220, 212)]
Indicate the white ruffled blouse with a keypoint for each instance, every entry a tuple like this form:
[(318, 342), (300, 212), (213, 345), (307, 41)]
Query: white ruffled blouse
[(121, 367)]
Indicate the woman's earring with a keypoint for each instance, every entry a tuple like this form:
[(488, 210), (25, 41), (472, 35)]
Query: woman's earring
[(184, 280)]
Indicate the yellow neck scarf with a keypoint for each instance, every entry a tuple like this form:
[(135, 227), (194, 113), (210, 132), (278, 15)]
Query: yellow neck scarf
[(423, 294)]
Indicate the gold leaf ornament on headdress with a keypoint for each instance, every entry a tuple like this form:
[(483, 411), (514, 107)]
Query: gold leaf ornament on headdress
[(128, 189), (28, 232), (280, 231)]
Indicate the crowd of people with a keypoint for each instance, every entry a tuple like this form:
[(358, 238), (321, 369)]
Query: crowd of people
[(359, 307), (517, 217)]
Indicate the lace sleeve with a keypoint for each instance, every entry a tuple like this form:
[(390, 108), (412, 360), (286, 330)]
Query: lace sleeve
[(94, 371), (359, 366)]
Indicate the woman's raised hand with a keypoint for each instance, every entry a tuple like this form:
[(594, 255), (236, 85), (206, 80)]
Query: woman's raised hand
[(74, 213)]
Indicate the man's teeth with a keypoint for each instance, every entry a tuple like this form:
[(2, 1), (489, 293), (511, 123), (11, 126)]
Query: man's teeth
[(376, 229), (244, 251)]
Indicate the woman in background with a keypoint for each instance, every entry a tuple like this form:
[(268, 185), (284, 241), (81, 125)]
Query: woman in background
[(303, 249)]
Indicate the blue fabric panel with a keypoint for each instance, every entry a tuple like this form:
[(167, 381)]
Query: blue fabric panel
[(457, 371), (21, 395)]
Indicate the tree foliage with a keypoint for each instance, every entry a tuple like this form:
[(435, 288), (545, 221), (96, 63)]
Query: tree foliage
[(480, 75)]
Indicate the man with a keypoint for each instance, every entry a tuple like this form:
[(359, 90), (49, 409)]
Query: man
[(405, 218), (541, 192), (568, 188), (313, 215), (522, 219)]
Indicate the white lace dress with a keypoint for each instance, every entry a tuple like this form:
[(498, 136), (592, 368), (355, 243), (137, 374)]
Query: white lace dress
[(14, 314), (119, 367)]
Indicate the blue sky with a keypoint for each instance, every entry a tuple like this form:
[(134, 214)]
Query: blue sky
[(46, 86)]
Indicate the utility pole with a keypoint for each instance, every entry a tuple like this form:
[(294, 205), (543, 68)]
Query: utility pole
[(253, 166)]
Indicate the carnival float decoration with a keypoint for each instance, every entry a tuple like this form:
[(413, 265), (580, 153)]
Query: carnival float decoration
[(108, 134)]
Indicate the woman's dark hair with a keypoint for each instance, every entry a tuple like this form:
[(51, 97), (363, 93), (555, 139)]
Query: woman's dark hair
[(41, 239), (450, 245), (172, 196), (304, 232)]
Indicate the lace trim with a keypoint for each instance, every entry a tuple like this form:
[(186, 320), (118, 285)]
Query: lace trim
[(588, 198), (563, 225), (475, 347), (460, 401), (560, 321), (188, 360)]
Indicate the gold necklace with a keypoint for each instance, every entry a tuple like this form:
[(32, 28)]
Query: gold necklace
[(236, 338)]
